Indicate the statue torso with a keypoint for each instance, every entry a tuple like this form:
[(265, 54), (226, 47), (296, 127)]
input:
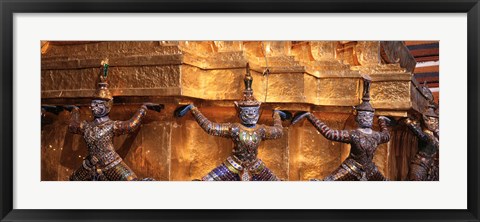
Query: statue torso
[(246, 141), (363, 146), (430, 146), (99, 139)]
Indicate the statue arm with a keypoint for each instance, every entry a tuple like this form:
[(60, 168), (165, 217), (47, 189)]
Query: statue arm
[(275, 131), (212, 128), (384, 133), (335, 135), (415, 128), (129, 126), (75, 126)]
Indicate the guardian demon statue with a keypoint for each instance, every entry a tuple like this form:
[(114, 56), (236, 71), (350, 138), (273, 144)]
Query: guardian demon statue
[(102, 162), (363, 140), (424, 165), (243, 164)]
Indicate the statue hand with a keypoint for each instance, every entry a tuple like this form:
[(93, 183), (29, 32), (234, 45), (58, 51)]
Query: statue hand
[(387, 120), (182, 110), (52, 109), (299, 116), (154, 106), (70, 107), (408, 121), (284, 115)]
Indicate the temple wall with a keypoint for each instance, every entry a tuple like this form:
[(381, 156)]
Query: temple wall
[(320, 77)]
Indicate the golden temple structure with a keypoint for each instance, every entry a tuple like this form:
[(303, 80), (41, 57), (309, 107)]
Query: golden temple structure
[(323, 77)]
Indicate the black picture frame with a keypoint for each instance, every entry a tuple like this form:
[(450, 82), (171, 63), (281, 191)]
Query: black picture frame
[(9, 7)]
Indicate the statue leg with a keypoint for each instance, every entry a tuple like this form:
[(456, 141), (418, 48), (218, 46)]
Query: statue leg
[(265, 174), (436, 168), (435, 172), (432, 169), (343, 173), (418, 171), (376, 175), (221, 173), (260, 172), (120, 172), (81, 174)]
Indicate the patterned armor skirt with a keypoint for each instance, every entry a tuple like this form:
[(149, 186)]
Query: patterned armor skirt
[(424, 167), (232, 170), (117, 172), (351, 170)]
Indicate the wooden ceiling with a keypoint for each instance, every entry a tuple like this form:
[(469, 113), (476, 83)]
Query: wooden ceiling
[(426, 54)]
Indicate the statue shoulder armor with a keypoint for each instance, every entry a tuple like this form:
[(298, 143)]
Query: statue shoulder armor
[(354, 134), (235, 129)]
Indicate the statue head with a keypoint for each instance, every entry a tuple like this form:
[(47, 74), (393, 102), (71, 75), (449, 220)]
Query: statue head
[(426, 91), (102, 98), (430, 118), (249, 115), (364, 119), (365, 111), (249, 107), (100, 108)]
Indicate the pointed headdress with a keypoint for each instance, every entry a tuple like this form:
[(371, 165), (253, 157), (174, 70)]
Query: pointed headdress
[(365, 105), (102, 91), (248, 98), (430, 111)]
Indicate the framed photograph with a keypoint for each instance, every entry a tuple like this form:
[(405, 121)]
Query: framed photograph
[(298, 110)]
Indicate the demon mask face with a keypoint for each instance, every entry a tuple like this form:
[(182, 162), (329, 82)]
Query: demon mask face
[(249, 115), (364, 119), (431, 123), (100, 108)]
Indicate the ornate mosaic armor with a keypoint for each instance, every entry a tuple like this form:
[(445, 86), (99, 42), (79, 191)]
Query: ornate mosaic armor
[(359, 164), (425, 166), (363, 140), (243, 164), (102, 162)]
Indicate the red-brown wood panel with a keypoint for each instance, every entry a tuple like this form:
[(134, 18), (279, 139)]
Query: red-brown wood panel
[(427, 58), (409, 43), (424, 52), (426, 69)]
